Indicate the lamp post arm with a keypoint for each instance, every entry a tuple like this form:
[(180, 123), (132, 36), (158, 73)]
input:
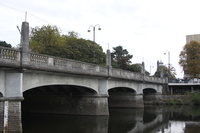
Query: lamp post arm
[(94, 30)]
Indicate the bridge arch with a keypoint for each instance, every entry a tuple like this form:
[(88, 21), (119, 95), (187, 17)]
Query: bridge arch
[(61, 90), (119, 90), (147, 91), (122, 97), (47, 79), (59, 99), (120, 84)]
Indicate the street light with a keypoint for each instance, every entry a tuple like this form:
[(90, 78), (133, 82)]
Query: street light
[(94, 30), (168, 59)]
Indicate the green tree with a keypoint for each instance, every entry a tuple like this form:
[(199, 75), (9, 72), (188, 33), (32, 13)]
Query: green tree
[(4, 44), (135, 68), (121, 58), (189, 59), (46, 40), (85, 50)]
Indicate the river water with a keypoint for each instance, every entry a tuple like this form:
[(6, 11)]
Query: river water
[(152, 119)]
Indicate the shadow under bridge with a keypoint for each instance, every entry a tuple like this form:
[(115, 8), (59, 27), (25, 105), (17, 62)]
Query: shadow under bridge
[(63, 99), (123, 97)]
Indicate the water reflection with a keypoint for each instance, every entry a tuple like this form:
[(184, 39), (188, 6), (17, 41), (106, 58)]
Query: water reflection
[(178, 119)]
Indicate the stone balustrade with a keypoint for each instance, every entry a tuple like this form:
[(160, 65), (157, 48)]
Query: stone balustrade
[(126, 74), (45, 62), (39, 59), (9, 54)]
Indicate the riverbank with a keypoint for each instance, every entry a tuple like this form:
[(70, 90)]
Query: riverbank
[(192, 98)]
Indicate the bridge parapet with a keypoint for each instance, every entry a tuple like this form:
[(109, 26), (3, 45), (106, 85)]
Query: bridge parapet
[(123, 74), (39, 59), (12, 58), (155, 79), (9, 54), (119, 73)]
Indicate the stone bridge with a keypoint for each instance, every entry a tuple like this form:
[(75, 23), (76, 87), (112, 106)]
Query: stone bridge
[(36, 83)]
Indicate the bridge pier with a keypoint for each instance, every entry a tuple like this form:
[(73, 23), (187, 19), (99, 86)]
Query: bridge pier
[(125, 101), (154, 98), (11, 112), (10, 102)]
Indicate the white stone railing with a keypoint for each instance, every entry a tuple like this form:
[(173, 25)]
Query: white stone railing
[(41, 61), (9, 54), (154, 79), (136, 76), (78, 65), (126, 74)]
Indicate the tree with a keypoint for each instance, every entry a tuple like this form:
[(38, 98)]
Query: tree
[(85, 50), (48, 40), (135, 68), (121, 58), (4, 44), (189, 59)]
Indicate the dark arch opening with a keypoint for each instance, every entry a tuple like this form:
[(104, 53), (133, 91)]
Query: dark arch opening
[(149, 91), (57, 99), (121, 97), (121, 90), (60, 90), (1, 95)]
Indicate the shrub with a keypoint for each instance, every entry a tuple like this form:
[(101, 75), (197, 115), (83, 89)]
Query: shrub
[(195, 98)]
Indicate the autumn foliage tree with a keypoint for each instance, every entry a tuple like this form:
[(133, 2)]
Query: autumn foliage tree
[(189, 59)]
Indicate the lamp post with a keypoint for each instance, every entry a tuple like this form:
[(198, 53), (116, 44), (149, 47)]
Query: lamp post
[(94, 35), (94, 30), (168, 59)]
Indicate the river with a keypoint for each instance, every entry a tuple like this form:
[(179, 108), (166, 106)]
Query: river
[(152, 119)]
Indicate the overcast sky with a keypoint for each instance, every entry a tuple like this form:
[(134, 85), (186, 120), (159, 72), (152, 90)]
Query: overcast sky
[(146, 28)]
